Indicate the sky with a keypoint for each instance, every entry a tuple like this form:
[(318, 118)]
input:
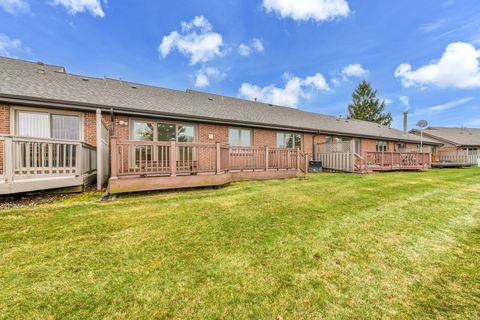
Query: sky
[(421, 56)]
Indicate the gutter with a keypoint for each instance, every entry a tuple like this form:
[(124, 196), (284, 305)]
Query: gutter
[(50, 103)]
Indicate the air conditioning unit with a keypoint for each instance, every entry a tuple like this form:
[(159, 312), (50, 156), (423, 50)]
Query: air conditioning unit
[(315, 166)]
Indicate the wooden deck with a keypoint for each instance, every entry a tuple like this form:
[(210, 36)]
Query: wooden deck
[(31, 164), (394, 161), (145, 165)]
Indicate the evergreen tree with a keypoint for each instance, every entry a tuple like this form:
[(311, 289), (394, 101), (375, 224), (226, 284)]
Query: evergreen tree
[(366, 106)]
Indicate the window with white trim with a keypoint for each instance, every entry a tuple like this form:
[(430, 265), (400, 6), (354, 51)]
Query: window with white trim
[(289, 140), (240, 137), (48, 125)]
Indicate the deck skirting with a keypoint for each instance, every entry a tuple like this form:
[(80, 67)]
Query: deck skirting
[(135, 184)]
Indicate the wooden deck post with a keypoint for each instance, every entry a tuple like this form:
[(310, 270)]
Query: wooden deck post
[(266, 158), (298, 159), (173, 159), (114, 156), (8, 159), (98, 122), (306, 164), (217, 149)]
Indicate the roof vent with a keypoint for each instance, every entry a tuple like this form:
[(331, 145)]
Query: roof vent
[(271, 105), (134, 87), (41, 67), (85, 79), (211, 99)]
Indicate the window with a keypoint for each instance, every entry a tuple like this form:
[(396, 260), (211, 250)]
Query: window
[(382, 146), (162, 131), (358, 148), (186, 133), (471, 151), (48, 125), (65, 127), (166, 131), (400, 146), (142, 131), (240, 137), (289, 140)]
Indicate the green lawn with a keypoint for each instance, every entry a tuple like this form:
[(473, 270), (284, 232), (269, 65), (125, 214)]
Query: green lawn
[(393, 245)]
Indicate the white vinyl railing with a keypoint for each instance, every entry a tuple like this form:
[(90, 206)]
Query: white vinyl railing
[(33, 158), (458, 158)]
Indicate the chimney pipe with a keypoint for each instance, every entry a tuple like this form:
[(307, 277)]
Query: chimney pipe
[(405, 122)]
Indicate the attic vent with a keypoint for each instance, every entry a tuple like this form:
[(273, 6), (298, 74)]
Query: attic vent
[(211, 99), (271, 105), (85, 79), (134, 87)]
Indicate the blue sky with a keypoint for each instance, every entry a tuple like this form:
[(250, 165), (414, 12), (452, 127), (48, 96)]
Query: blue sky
[(421, 56)]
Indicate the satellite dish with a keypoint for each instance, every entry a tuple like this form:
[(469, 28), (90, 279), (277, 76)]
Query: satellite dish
[(422, 123)]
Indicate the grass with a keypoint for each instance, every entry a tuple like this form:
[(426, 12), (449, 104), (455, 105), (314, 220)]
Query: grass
[(393, 245)]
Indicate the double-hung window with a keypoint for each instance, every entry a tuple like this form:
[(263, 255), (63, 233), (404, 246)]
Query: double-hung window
[(48, 125), (289, 140), (240, 137)]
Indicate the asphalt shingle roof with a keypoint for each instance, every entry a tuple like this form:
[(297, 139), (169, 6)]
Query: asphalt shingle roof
[(32, 81), (459, 136)]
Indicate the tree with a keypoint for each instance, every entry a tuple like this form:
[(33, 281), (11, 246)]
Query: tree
[(366, 106)]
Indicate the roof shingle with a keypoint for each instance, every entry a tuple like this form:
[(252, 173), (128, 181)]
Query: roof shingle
[(28, 80)]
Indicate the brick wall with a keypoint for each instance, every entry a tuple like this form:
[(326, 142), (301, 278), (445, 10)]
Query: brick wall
[(4, 129), (211, 133), (90, 128), (264, 137)]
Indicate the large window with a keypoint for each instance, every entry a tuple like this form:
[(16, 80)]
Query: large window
[(162, 131), (48, 125), (382, 146), (240, 137), (472, 151), (289, 140)]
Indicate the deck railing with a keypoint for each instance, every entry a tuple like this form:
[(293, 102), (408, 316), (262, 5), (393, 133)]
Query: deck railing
[(396, 160), (147, 158), (461, 157), (33, 158)]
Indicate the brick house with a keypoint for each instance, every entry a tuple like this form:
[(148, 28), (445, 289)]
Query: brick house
[(58, 130)]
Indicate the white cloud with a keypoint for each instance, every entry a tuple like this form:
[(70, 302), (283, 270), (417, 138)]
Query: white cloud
[(197, 40), (459, 67), (451, 105), (432, 26), (387, 101), (14, 6), (9, 46), (294, 90), (254, 45), (442, 107), (317, 10), (203, 76), (405, 101), (355, 70), (78, 6)]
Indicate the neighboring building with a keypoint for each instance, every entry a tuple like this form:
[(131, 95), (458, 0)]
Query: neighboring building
[(460, 146), (52, 121), (454, 140)]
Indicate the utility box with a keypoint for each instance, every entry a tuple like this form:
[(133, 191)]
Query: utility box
[(315, 166)]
